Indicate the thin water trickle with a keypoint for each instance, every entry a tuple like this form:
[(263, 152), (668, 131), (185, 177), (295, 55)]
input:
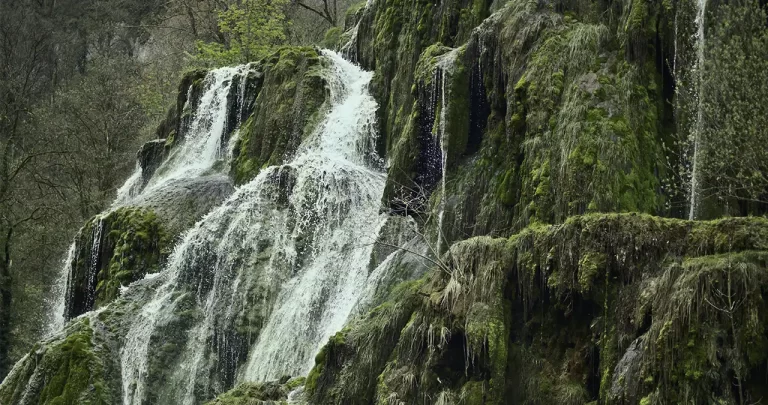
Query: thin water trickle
[(58, 303), (443, 71), (698, 125)]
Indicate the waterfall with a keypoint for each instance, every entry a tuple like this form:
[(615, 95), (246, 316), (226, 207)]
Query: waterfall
[(202, 144), (58, 303), (130, 188), (198, 152), (443, 69), (698, 125), (277, 268)]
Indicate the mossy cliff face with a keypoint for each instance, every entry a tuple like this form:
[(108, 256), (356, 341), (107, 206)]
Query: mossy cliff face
[(617, 308), (543, 110), (288, 92), (113, 251), (68, 370), (545, 120)]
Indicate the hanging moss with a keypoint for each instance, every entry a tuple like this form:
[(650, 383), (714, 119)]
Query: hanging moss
[(564, 303)]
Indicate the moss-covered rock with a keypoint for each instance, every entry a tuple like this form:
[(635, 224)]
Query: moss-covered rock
[(112, 251), (288, 101), (274, 392), (610, 308), (64, 371), (545, 110)]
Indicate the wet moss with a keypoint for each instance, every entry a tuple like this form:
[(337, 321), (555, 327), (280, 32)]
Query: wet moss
[(344, 367), (285, 111), (114, 251), (274, 392), (65, 371), (564, 302)]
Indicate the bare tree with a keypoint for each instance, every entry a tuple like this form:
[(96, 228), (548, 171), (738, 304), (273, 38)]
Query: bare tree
[(326, 9), (413, 201)]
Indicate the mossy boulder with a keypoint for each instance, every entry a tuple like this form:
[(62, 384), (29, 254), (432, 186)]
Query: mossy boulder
[(274, 392), (112, 251), (67, 370), (287, 104)]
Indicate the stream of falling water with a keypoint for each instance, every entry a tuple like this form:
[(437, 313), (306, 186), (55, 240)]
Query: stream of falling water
[(196, 155), (277, 269), (698, 125), (59, 299), (443, 70), (201, 147)]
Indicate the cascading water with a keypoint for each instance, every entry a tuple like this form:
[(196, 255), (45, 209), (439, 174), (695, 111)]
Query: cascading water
[(277, 269), (202, 145), (195, 157), (58, 302), (698, 125)]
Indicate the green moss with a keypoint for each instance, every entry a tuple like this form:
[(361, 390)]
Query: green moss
[(71, 368), (590, 266), (170, 141), (252, 393), (131, 242), (139, 245), (627, 274), (332, 38), (287, 108)]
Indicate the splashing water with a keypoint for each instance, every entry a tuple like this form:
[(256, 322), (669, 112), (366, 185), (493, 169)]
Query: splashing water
[(698, 126), (277, 269)]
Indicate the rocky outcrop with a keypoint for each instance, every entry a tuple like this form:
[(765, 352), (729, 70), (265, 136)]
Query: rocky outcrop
[(288, 91), (112, 251), (150, 157), (609, 308)]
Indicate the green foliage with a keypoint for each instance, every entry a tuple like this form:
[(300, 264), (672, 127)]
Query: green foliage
[(332, 38), (253, 28)]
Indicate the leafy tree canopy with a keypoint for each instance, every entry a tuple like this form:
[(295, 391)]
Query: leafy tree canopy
[(252, 28)]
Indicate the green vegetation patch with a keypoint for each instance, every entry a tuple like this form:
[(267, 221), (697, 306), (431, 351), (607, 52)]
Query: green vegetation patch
[(286, 110)]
